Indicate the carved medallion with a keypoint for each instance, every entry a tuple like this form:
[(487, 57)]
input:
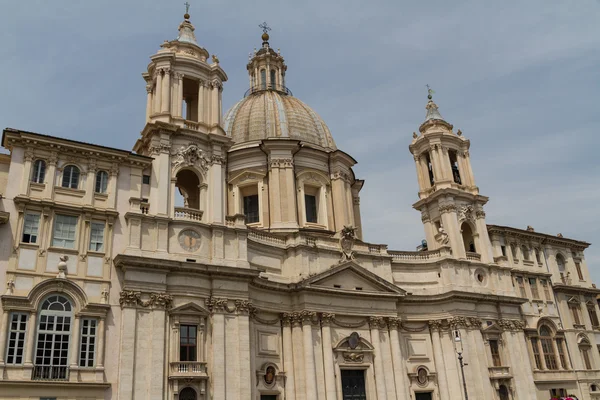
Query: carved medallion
[(269, 375)]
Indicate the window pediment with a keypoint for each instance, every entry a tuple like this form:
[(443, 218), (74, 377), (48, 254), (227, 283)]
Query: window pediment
[(191, 309)]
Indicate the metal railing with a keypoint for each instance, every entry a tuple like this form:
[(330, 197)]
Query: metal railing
[(50, 373), (261, 88)]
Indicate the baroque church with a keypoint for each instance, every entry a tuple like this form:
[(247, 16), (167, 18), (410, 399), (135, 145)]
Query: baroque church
[(224, 258)]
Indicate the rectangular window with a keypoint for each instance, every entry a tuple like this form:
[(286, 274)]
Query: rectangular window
[(146, 179), (558, 392), (593, 315), (579, 273), (574, 308), (187, 342), (353, 384), (521, 285), (503, 248), (31, 225), (64, 231), (585, 354), (513, 250), (495, 350), (534, 288), (88, 342), (536, 353), (97, 236), (310, 204), (561, 352), (546, 289), (16, 338), (549, 355), (251, 208)]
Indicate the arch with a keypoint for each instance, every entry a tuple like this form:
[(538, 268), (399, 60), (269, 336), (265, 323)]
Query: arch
[(59, 286), (70, 176), (503, 392), (583, 340), (39, 171), (187, 181), (343, 343), (313, 175), (547, 321), (468, 236), (101, 182), (187, 393), (263, 78), (273, 79)]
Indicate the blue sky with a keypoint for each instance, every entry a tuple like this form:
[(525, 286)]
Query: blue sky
[(520, 79)]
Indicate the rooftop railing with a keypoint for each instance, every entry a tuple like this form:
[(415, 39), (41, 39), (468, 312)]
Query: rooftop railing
[(262, 88)]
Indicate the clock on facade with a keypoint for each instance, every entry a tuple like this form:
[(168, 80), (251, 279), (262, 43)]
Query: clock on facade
[(189, 240)]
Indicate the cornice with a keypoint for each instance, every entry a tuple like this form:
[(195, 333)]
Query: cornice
[(542, 237), (460, 295), (58, 206), (560, 287)]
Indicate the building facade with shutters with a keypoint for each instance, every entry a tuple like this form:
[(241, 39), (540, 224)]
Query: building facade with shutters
[(223, 258)]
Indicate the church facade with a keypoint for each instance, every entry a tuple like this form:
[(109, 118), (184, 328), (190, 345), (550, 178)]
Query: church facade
[(223, 258)]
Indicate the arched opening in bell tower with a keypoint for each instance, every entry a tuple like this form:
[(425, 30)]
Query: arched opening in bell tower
[(189, 107), (429, 169), (188, 189), (453, 156), (468, 238)]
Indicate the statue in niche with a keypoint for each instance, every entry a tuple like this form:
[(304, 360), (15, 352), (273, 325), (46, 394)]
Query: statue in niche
[(269, 375)]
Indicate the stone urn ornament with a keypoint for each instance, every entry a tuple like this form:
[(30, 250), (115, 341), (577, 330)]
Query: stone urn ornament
[(62, 267)]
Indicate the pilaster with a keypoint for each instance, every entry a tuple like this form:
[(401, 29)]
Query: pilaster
[(309, 354), (374, 324), (288, 356), (328, 367)]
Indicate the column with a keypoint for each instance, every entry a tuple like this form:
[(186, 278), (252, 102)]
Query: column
[(31, 328), (288, 356), (400, 376), (425, 172), (166, 91), (201, 117), (101, 338), (164, 179), (90, 182), (309, 356), (218, 376), (469, 169), (75, 344), (244, 353), (112, 185), (420, 179), (50, 175), (26, 171), (485, 248), (298, 356), (127, 349), (3, 332), (328, 367), (462, 169), (179, 96), (390, 378), (374, 324), (436, 164), (148, 102), (215, 102), (217, 208), (158, 91), (438, 354)]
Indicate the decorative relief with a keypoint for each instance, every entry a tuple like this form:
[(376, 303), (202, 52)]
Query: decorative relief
[(511, 324), (424, 216), (307, 316), (394, 322), (480, 214), (352, 357), (356, 200), (341, 175), (216, 304), (217, 160), (347, 239), (244, 306), (130, 298), (465, 213), (327, 318), (435, 325), (10, 286), (281, 163), (465, 322), (29, 154), (376, 322), (159, 148), (191, 155), (446, 208)]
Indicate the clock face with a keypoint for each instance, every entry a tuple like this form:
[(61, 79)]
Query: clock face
[(189, 240)]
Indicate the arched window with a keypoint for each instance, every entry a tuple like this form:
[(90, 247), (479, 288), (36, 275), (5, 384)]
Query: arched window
[(53, 337), (468, 240), (454, 166), (548, 348), (430, 169), (188, 185), (273, 78), (101, 181), (263, 79), (584, 349), (70, 177), (503, 392), (39, 171), (187, 394)]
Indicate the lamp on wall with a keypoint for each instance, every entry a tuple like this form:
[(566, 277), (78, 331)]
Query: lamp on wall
[(459, 350)]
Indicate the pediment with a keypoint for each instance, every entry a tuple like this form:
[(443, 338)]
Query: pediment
[(493, 328), (351, 277), (189, 309)]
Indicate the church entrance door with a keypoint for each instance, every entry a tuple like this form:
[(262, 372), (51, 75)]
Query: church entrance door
[(353, 384)]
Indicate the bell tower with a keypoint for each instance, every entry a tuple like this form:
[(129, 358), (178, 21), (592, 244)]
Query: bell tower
[(449, 201), (184, 87)]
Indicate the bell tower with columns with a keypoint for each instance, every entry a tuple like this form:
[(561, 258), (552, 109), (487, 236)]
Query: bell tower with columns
[(449, 201), (184, 87)]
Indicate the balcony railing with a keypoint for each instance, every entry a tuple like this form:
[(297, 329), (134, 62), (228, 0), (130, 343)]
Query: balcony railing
[(188, 369), (50, 373), (473, 256), (189, 214)]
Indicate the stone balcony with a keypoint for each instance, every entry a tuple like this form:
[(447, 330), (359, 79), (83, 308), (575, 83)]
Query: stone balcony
[(188, 214), (500, 372), (188, 370)]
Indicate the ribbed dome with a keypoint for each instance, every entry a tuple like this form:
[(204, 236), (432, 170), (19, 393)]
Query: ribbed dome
[(271, 114)]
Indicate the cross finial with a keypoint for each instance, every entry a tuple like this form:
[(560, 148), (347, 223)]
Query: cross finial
[(265, 28), (187, 10), (429, 92)]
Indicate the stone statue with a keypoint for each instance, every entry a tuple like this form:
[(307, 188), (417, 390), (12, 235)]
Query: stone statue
[(10, 285), (442, 236), (348, 236), (62, 267)]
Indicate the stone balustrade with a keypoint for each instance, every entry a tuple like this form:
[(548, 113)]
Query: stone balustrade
[(473, 256), (188, 369), (188, 214)]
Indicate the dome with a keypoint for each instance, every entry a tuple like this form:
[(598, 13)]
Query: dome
[(273, 114)]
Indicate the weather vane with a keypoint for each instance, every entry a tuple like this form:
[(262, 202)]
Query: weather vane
[(187, 7), (429, 91), (264, 27)]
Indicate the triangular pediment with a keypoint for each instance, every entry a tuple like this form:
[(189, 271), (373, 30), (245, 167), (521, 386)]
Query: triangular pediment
[(493, 328), (189, 309), (351, 277)]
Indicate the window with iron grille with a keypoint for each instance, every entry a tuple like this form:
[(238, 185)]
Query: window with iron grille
[(87, 349), (16, 338), (187, 342)]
